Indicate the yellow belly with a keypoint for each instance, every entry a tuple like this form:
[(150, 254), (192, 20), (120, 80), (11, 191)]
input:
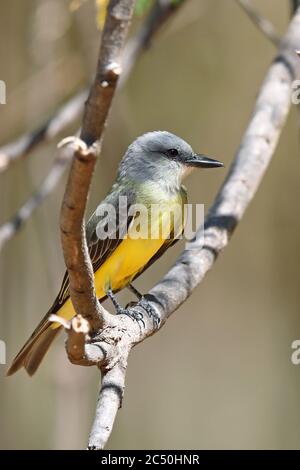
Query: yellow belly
[(120, 268)]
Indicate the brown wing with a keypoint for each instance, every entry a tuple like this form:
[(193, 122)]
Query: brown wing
[(100, 248)]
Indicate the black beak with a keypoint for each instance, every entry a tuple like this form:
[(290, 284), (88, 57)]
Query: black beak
[(201, 161)]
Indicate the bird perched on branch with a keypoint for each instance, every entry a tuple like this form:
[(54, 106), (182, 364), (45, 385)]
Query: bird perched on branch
[(150, 176)]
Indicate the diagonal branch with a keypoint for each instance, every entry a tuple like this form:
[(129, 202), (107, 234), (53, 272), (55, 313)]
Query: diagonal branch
[(63, 117), (158, 16), (115, 340), (11, 227), (294, 5), (263, 24), (247, 170)]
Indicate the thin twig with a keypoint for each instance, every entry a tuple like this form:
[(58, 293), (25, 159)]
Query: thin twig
[(10, 228), (263, 24), (294, 5), (79, 349), (78, 337), (62, 118), (158, 16)]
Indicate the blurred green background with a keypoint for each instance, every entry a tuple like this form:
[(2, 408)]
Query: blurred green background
[(219, 374)]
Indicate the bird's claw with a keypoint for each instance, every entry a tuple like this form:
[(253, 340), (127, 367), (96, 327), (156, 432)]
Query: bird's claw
[(145, 304), (133, 313)]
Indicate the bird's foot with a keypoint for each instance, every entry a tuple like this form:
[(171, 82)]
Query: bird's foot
[(133, 314), (112, 297), (145, 304)]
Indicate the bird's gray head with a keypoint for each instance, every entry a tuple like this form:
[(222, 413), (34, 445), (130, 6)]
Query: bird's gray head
[(163, 157)]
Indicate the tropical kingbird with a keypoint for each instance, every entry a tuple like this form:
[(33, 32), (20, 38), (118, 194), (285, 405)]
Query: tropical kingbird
[(150, 174)]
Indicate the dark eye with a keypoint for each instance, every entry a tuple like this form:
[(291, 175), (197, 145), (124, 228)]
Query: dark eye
[(172, 152)]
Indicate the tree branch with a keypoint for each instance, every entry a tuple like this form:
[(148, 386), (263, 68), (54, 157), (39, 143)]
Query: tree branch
[(109, 401), (120, 333), (75, 250), (62, 118), (73, 239), (108, 69), (294, 5), (10, 228), (159, 14), (263, 24)]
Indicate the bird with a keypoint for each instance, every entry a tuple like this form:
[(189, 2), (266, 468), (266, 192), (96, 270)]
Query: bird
[(150, 173)]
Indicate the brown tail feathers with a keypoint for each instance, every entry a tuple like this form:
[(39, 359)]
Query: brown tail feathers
[(34, 350)]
